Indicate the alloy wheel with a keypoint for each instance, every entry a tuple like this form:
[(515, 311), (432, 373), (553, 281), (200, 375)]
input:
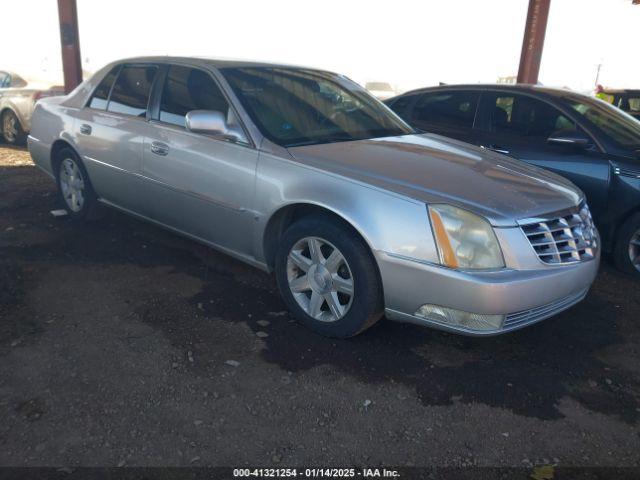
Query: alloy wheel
[(634, 250), (320, 279), (72, 184)]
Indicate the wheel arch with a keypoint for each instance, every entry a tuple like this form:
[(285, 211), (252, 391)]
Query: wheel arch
[(56, 148), (10, 108), (288, 214), (613, 237), (7, 108)]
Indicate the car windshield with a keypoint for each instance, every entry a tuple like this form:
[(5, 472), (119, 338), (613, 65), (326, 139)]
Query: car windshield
[(622, 128), (297, 106)]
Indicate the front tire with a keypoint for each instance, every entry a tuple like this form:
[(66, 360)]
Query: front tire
[(11, 129), (627, 249), (328, 278), (74, 187)]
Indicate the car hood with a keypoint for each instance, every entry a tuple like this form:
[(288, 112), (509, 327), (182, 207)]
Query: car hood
[(436, 169)]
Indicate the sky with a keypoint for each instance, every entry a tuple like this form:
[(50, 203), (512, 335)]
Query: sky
[(409, 44)]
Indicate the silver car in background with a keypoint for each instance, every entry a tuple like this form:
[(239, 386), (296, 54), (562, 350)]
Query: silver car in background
[(303, 173), (18, 98)]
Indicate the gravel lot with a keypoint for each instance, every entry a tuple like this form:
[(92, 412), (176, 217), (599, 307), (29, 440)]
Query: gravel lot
[(123, 344)]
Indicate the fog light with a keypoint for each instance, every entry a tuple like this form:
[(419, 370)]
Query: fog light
[(458, 318)]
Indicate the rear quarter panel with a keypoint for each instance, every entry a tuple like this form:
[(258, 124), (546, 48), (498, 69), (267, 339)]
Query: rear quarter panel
[(51, 122), (20, 101)]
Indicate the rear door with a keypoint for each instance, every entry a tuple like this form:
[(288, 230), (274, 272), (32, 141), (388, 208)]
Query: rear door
[(199, 184), (519, 125), (446, 112), (110, 133)]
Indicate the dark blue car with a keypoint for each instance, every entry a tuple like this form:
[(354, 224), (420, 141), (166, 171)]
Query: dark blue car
[(586, 140)]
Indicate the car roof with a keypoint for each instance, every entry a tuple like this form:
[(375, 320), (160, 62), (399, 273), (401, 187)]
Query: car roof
[(208, 61), (556, 92)]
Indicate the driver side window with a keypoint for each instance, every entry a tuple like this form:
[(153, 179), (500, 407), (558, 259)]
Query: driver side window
[(187, 89)]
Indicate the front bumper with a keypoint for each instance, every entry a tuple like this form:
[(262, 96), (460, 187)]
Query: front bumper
[(523, 296)]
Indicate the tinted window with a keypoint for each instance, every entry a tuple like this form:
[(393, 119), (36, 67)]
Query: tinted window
[(630, 103), (5, 80), (400, 104), (524, 116), (130, 93), (101, 94), (622, 128), (298, 106), (187, 89), (445, 109)]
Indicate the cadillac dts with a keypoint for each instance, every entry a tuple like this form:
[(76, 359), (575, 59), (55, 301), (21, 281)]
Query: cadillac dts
[(303, 173)]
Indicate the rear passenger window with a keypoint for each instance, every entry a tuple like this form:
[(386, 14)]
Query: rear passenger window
[(100, 95), (445, 109), (131, 91), (187, 89)]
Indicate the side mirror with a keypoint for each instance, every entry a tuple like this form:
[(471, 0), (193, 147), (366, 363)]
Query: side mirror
[(569, 137), (213, 122)]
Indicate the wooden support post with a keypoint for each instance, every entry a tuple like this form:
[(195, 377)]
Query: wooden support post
[(70, 42), (533, 42)]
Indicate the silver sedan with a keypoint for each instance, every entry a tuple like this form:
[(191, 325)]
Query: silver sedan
[(301, 172), (17, 102)]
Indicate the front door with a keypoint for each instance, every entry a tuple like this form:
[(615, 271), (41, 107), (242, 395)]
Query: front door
[(201, 185)]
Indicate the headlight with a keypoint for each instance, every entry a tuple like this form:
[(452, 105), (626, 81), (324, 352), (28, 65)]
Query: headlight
[(464, 240)]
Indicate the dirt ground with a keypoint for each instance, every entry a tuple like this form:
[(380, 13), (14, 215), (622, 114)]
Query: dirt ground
[(123, 344)]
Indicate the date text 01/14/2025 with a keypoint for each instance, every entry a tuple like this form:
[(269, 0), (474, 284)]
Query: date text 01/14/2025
[(315, 472)]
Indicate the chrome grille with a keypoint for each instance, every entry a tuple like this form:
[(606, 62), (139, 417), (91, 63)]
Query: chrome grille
[(568, 239)]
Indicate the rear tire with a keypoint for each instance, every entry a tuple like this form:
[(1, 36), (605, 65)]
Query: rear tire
[(335, 291), (626, 253), (74, 187), (11, 129)]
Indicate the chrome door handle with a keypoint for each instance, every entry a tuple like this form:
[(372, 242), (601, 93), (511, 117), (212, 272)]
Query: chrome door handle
[(160, 148), (85, 129)]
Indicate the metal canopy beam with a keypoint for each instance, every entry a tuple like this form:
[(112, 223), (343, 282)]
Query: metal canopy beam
[(70, 42), (533, 42)]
